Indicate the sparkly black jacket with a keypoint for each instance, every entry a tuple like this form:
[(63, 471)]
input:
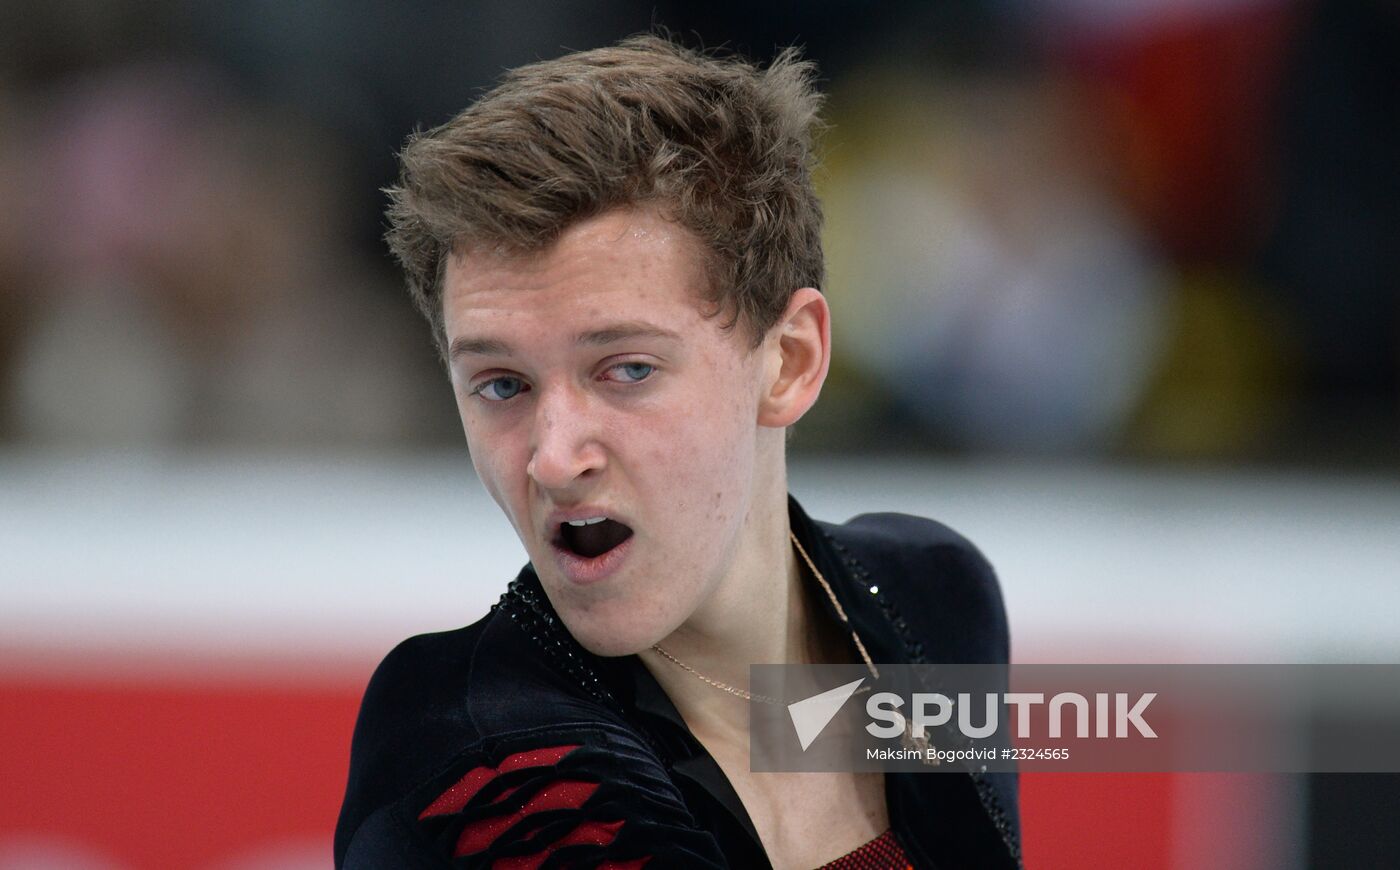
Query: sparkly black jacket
[(507, 739)]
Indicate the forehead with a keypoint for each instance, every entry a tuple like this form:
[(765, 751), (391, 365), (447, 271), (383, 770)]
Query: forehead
[(631, 261)]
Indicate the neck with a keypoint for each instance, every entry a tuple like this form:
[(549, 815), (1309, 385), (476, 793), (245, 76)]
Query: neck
[(765, 613)]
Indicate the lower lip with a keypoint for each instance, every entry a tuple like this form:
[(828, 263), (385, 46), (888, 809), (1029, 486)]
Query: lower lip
[(583, 570)]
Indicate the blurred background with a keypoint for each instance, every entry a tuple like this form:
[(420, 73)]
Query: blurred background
[(1117, 293)]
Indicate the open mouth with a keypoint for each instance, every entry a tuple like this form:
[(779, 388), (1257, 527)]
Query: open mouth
[(592, 537)]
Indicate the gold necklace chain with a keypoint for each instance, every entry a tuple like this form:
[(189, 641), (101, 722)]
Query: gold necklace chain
[(750, 696), (723, 687), (840, 611)]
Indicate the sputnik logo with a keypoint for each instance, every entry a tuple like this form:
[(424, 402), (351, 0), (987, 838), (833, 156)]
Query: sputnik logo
[(811, 715)]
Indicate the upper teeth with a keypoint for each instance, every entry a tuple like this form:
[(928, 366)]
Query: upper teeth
[(588, 522)]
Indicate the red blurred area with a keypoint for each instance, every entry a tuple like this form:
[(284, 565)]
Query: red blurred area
[(154, 777), (1191, 99), (1076, 820)]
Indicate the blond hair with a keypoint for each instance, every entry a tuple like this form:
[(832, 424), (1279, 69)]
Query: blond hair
[(719, 145)]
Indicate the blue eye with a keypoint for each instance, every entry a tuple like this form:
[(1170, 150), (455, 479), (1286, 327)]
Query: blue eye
[(499, 389), (632, 372)]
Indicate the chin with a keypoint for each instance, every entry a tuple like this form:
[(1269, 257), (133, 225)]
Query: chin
[(602, 642), (611, 647), (611, 637)]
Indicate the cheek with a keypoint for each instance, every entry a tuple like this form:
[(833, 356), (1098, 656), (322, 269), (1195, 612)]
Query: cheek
[(500, 470), (703, 451)]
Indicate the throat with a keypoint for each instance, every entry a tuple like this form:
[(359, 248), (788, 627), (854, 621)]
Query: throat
[(821, 637)]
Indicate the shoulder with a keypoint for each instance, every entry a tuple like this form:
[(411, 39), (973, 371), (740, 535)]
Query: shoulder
[(471, 682), (470, 742), (437, 697), (931, 575)]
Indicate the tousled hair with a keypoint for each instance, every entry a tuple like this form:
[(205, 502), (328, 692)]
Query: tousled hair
[(717, 144)]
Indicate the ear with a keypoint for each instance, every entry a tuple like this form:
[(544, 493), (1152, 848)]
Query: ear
[(798, 353)]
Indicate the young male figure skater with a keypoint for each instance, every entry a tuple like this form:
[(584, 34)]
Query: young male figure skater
[(619, 252)]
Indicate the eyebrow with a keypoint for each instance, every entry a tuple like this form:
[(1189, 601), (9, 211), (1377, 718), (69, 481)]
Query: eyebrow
[(465, 345), (622, 332)]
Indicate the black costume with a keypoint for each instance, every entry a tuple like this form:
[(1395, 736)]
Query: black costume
[(507, 739)]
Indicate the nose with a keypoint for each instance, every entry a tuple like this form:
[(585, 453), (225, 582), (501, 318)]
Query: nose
[(564, 447)]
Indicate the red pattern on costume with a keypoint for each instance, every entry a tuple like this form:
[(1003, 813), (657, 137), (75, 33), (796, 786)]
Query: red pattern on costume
[(464, 789), (881, 853), (595, 833), (564, 794)]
